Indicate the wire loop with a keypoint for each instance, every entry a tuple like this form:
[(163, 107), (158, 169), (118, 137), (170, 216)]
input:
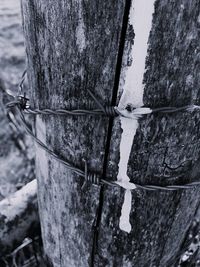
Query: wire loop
[(110, 111), (89, 176), (21, 104), (93, 178)]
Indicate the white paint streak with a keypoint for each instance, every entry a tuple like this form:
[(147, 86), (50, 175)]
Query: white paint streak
[(124, 223), (41, 157), (12, 206), (141, 19), (129, 129)]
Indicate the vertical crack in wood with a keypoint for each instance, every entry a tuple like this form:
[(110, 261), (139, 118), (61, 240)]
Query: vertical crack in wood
[(110, 126)]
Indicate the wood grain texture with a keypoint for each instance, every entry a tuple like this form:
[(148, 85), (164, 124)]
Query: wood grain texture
[(71, 46), (163, 142)]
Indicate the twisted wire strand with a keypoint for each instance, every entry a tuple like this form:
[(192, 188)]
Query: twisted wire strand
[(107, 111), (44, 147), (21, 104), (110, 111), (94, 177), (63, 112)]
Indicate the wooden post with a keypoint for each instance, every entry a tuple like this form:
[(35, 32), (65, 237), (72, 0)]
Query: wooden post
[(164, 148), (71, 46), (77, 45)]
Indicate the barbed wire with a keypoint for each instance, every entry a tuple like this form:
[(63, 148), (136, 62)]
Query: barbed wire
[(110, 111), (22, 106), (91, 177)]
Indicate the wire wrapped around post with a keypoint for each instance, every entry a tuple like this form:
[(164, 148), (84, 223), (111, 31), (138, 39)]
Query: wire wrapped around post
[(109, 111), (21, 105)]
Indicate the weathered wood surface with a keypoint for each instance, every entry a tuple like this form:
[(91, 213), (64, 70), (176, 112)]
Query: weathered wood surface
[(72, 46), (18, 214), (159, 219)]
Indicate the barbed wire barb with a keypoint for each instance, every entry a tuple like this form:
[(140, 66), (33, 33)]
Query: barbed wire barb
[(21, 105), (92, 177)]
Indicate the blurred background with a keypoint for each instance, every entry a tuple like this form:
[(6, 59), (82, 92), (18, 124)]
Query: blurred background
[(13, 145), (20, 242)]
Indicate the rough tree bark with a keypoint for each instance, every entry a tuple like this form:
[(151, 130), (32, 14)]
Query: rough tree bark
[(75, 45)]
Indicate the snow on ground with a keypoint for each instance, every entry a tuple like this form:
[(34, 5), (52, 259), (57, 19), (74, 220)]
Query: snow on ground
[(14, 205)]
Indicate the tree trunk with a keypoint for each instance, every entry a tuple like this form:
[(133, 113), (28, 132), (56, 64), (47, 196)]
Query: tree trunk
[(77, 45)]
